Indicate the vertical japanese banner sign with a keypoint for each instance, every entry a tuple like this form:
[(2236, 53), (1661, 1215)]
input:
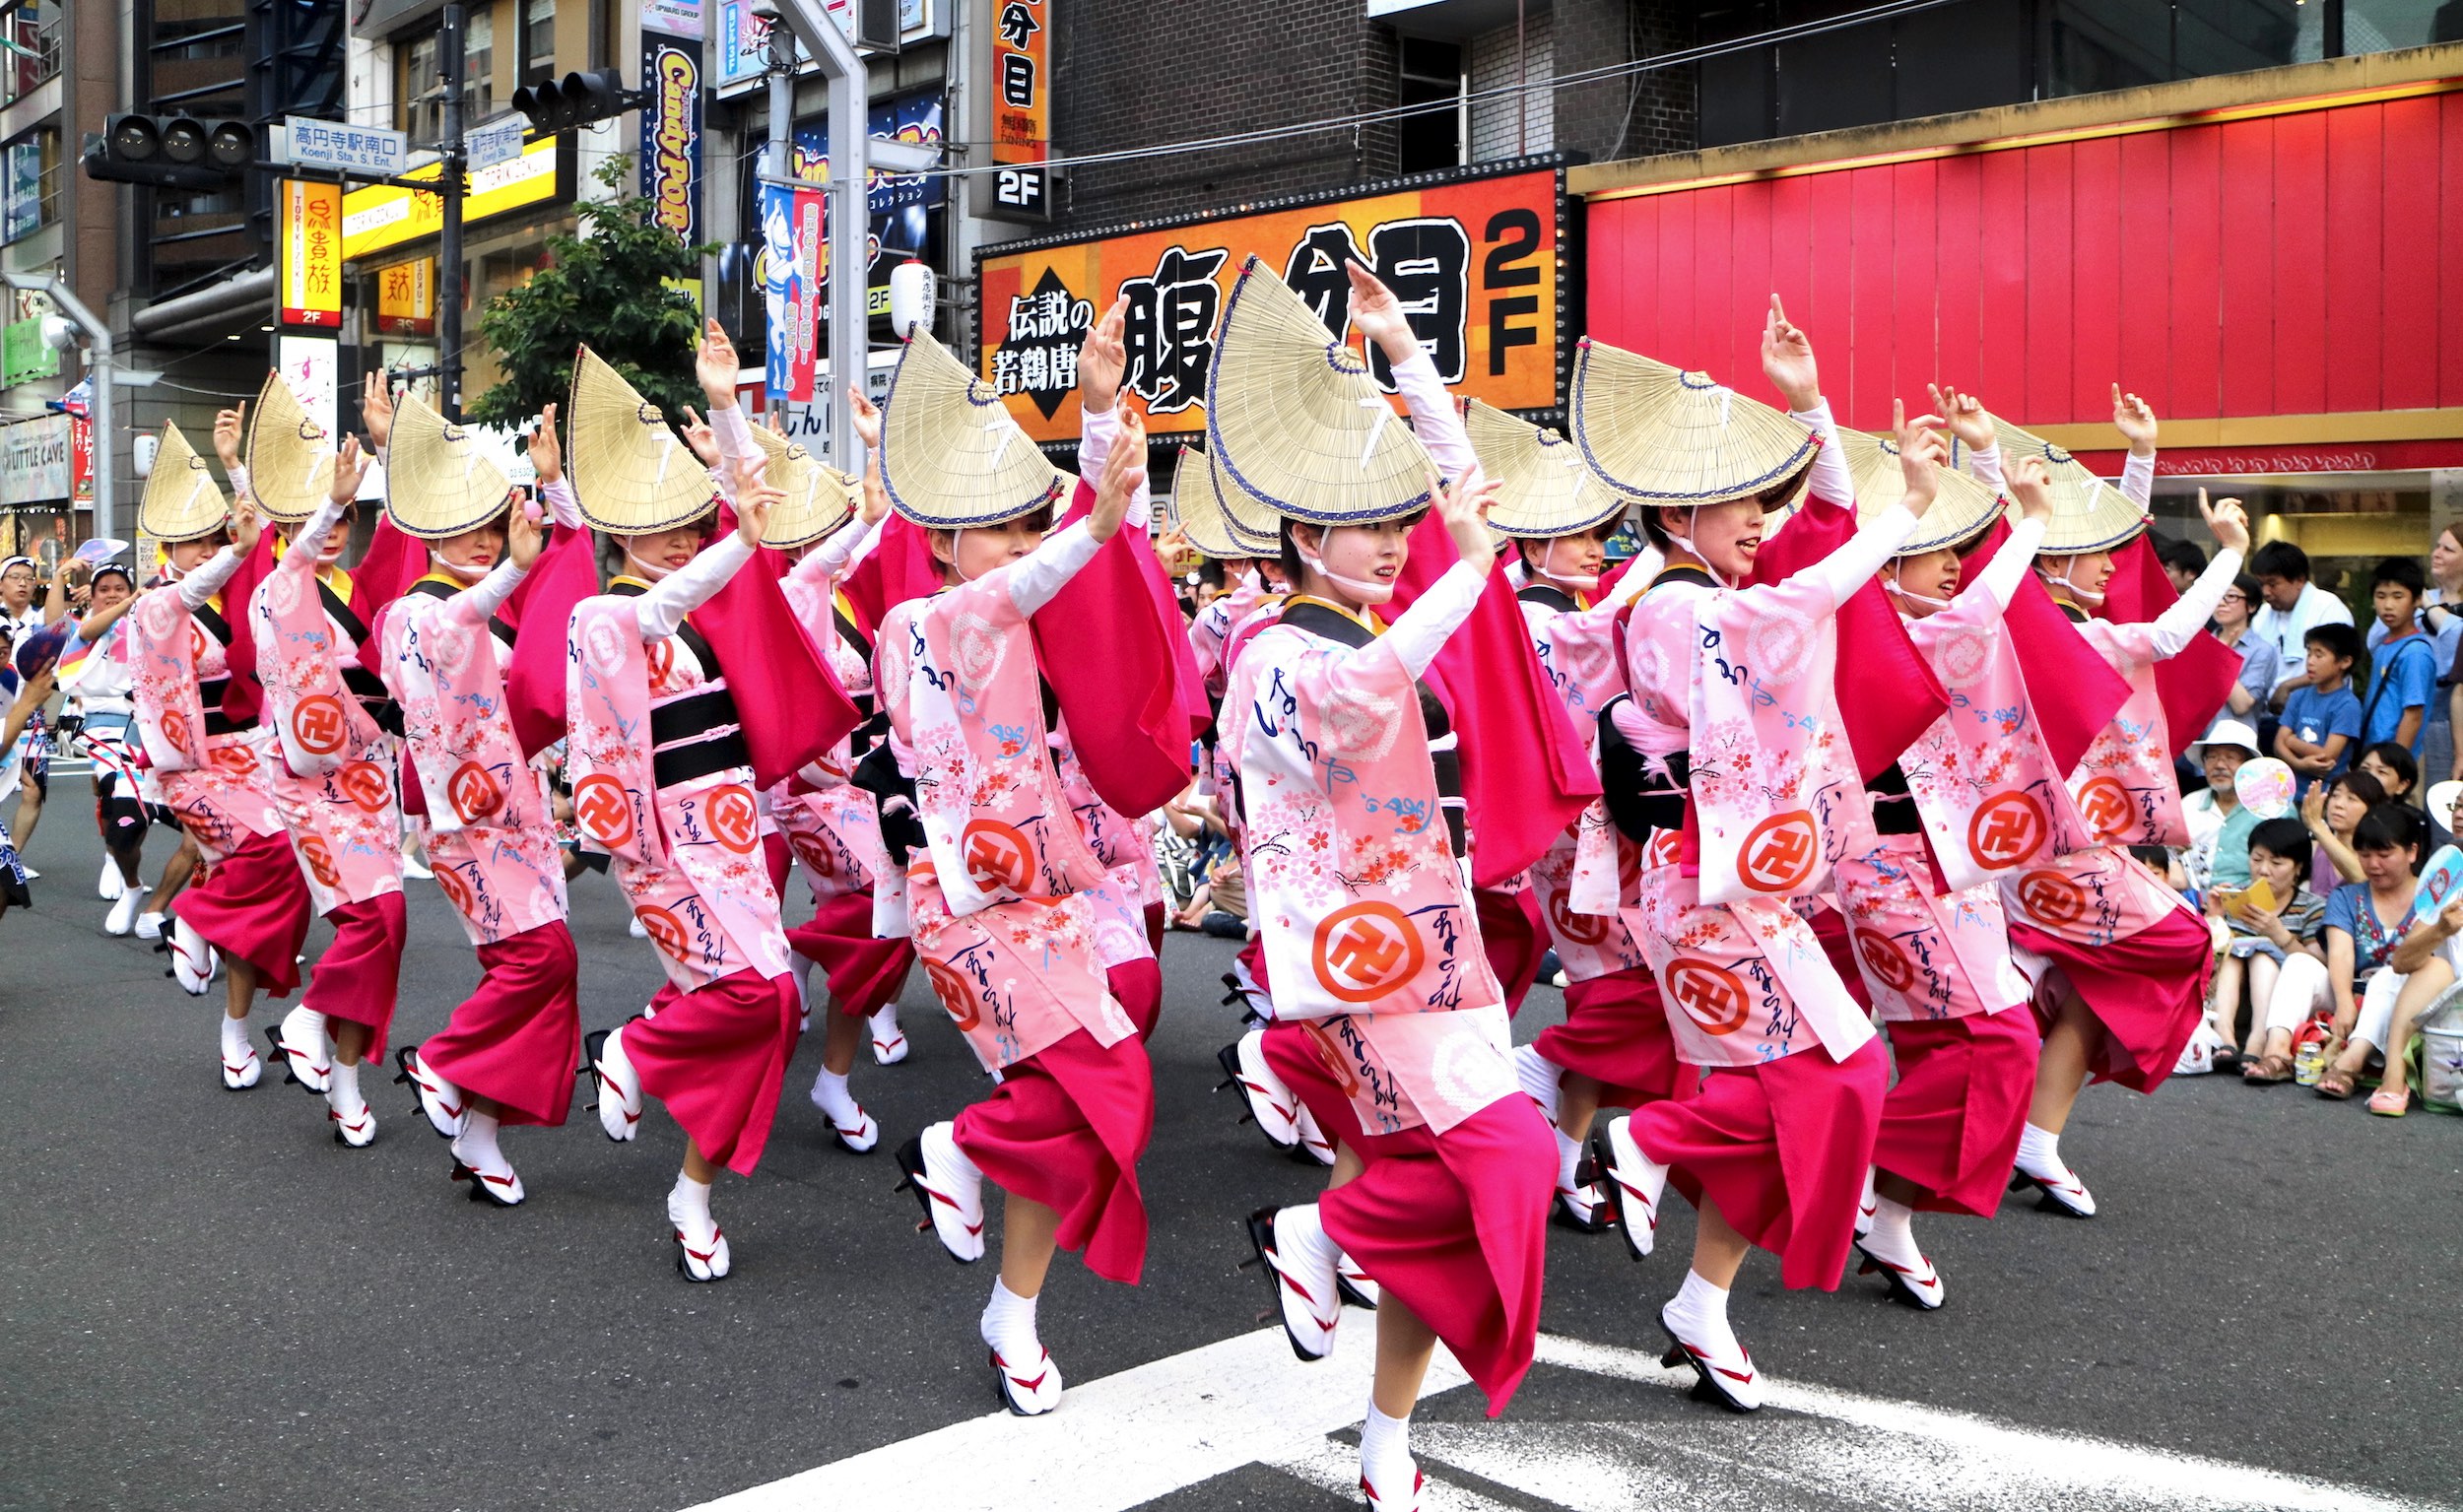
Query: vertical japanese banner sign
[(1022, 80), (671, 133), (310, 365), (311, 253), (406, 297), (795, 255), (81, 457)]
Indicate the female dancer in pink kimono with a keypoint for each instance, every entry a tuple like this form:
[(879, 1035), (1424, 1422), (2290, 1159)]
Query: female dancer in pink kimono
[(505, 1055), (2119, 961), (1734, 714), (334, 784), (1014, 916), (252, 907), (1390, 1024), (663, 783)]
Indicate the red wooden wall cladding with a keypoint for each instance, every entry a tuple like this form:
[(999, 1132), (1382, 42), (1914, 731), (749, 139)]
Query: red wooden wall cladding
[(2291, 264)]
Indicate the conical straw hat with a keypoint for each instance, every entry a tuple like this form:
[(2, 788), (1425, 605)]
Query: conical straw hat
[(2088, 514), (291, 458), (819, 497), (1544, 490), (952, 455), (182, 502), (1963, 508), (631, 474), (439, 480), (1659, 435), (1295, 422), (1199, 510)]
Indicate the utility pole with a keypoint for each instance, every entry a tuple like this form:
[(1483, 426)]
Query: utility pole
[(450, 38), (851, 212)]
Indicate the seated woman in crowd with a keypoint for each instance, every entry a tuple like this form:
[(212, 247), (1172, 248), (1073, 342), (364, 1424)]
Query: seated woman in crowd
[(2365, 922), (2260, 943), (2332, 810), (2419, 970)]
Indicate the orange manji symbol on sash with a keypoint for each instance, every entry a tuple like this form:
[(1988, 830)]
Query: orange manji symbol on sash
[(998, 855), (1889, 963), (602, 809), (1582, 928), (320, 861), (662, 661), (814, 852), (1713, 997), (956, 994), (666, 931), (2107, 806), (1338, 1062), (1365, 949), (733, 817), (2006, 829), (365, 784), (2051, 897), (1778, 853), (457, 889), (238, 758), (474, 791), (176, 728), (318, 724)]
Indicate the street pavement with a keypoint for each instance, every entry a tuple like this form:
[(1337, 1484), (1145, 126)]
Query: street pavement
[(207, 1303)]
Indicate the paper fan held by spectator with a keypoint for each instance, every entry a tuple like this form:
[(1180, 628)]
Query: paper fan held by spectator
[(1660, 435), (631, 474), (1201, 511), (1544, 490), (952, 456), (183, 500), (819, 497), (2264, 787), (289, 457), (1298, 425), (439, 480)]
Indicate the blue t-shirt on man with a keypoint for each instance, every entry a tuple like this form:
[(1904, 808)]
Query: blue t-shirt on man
[(2314, 716)]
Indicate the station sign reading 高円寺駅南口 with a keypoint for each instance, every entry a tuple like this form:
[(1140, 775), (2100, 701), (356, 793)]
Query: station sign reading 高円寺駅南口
[(1478, 262)]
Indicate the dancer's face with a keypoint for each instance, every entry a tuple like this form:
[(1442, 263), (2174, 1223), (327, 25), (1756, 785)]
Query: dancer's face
[(1726, 537), (1371, 555), (1928, 574), (478, 550)]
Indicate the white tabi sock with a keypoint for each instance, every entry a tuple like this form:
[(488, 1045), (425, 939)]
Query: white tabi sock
[(2039, 1153), (803, 966), (1569, 1156), (1698, 1314), (1893, 1236), (344, 1095), (1009, 1328), (476, 1146), (1385, 1456), (836, 1103), (688, 1198), (234, 1039), (1299, 1235)]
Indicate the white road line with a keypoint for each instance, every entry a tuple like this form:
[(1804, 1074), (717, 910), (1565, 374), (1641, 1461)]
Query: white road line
[(1126, 1439), (1115, 1442)]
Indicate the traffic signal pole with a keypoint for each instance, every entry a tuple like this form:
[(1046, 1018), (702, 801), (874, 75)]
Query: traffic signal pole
[(850, 213), (450, 40)]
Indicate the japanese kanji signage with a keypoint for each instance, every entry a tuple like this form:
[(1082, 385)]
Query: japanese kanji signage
[(1021, 109), (406, 297), (311, 253), (1477, 262), (383, 215)]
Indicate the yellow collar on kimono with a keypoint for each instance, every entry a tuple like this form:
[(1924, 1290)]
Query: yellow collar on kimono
[(447, 578), (641, 583), (1368, 622)]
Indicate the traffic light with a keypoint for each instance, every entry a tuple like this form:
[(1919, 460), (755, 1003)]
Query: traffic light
[(577, 100), (171, 151)]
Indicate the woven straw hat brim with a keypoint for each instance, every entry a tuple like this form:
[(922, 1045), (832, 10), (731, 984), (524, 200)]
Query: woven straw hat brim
[(1963, 507), (2088, 514), (819, 497), (952, 455), (1660, 435), (1544, 490), (183, 500), (1198, 512), (439, 480), (631, 474), (289, 457), (1295, 422)]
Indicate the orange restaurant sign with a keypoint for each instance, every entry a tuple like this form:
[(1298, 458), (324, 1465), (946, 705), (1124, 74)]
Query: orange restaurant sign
[(312, 258), (1479, 262)]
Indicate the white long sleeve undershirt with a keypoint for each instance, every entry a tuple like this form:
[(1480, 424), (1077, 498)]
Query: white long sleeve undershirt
[(1036, 578), (2009, 565), (1831, 482), (832, 555), (1860, 557), (199, 587), (2178, 625), (660, 611), (1433, 417), (1097, 430)]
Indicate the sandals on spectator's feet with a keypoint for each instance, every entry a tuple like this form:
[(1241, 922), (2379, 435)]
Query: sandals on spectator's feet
[(2335, 1086), (2390, 1101), (2266, 1070), (2227, 1060)]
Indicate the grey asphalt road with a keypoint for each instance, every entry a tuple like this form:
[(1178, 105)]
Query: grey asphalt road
[(206, 1303)]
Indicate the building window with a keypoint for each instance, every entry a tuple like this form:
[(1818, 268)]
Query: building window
[(30, 184), (420, 88), (31, 29), (1431, 73), (538, 38), (1509, 125)]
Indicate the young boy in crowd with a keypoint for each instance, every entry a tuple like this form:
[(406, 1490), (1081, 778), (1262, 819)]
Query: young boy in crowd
[(2260, 939), (2322, 719), (2405, 674)]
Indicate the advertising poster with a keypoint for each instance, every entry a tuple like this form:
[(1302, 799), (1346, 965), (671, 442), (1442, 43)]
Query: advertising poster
[(671, 132)]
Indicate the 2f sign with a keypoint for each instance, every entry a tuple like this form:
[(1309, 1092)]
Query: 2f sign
[(1021, 194)]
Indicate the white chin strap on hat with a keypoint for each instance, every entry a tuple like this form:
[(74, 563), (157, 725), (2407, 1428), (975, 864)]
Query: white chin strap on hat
[(648, 573), (454, 570), (1367, 591), (1685, 544), (1930, 604), (2086, 596), (1579, 582)]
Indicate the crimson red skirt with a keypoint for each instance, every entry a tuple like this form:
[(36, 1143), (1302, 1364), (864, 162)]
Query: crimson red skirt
[(253, 906), (1951, 1125), (1783, 1149), (1616, 1032), (1138, 987), (359, 977), (516, 1038), (1514, 938), (865, 973), (2147, 989), (1065, 1128), (1454, 1224), (1830, 926), (776, 858), (716, 1056)]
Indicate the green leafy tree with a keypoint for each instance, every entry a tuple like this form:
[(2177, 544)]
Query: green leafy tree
[(605, 286)]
